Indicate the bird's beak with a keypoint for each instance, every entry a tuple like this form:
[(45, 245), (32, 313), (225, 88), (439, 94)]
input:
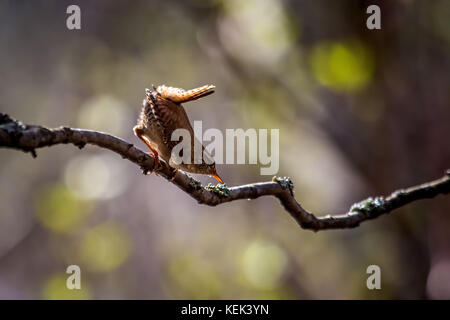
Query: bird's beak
[(216, 176)]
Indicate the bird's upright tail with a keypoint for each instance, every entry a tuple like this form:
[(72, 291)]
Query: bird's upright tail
[(179, 95)]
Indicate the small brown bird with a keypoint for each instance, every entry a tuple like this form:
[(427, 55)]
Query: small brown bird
[(162, 113)]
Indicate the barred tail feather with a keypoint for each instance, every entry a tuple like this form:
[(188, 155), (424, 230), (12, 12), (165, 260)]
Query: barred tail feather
[(178, 95)]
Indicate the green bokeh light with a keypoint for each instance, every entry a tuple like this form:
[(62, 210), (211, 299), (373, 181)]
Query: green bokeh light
[(59, 210), (342, 66), (55, 288), (105, 247), (263, 264), (194, 278)]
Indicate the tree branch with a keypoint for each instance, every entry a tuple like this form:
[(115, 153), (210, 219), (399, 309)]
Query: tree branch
[(16, 135)]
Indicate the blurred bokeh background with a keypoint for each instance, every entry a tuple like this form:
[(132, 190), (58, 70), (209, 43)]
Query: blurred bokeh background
[(360, 113)]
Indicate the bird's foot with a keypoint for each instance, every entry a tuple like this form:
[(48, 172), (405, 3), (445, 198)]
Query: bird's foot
[(157, 164), (174, 175)]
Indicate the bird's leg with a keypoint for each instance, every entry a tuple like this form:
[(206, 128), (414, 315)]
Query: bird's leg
[(139, 134)]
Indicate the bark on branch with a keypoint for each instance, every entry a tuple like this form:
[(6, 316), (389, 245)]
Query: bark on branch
[(16, 135)]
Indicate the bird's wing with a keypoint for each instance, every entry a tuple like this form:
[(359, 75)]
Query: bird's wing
[(168, 117), (180, 120)]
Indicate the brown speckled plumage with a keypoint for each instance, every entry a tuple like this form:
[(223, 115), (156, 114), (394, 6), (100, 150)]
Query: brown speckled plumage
[(162, 113)]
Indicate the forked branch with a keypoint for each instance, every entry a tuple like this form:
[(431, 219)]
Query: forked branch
[(16, 135)]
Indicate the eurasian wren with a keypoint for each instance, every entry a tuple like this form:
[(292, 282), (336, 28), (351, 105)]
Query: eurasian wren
[(162, 113)]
